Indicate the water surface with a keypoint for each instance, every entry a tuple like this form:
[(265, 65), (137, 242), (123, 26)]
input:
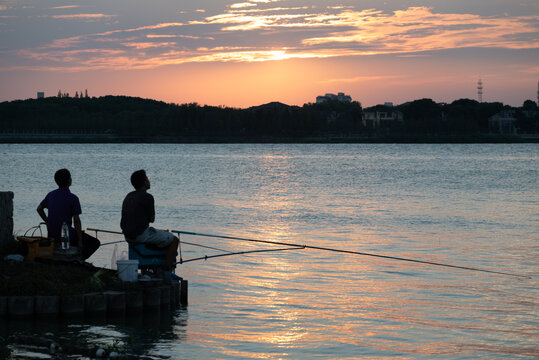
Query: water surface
[(469, 205)]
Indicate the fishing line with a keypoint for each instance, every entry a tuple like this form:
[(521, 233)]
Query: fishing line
[(110, 243), (352, 252), (180, 247), (237, 253), (206, 257), (122, 241), (329, 249)]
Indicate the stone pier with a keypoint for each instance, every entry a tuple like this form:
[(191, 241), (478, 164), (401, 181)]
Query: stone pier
[(161, 298), (6, 217)]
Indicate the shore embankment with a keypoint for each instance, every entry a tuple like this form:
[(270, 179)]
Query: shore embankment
[(97, 138)]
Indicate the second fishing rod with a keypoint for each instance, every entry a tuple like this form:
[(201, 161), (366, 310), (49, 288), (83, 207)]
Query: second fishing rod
[(305, 246), (389, 257)]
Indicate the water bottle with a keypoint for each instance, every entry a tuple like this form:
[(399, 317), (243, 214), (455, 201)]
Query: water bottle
[(114, 258), (65, 236)]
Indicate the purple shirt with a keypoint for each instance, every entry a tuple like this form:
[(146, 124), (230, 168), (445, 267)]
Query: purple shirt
[(62, 205)]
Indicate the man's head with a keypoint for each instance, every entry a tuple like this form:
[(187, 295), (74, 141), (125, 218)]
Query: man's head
[(63, 178), (139, 180)]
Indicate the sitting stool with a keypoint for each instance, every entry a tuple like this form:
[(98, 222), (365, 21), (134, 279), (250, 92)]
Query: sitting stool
[(151, 259)]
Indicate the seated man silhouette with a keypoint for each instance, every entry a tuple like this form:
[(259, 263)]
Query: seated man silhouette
[(64, 206), (138, 211)]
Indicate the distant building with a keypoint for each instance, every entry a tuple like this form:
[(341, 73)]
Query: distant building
[(503, 122), (40, 94), (381, 119), (339, 97), (388, 104), (529, 113)]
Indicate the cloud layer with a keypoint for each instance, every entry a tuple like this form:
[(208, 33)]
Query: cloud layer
[(261, 30)]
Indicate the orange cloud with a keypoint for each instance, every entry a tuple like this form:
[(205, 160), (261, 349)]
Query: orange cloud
[(146, 45), (418, 29), (88, 17), (361, 78), (251, 3), (254, 22), (65, 7), (156, 36), (254, 11), (242, 5)]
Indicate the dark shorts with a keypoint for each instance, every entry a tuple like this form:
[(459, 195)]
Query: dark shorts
[(89, 244)]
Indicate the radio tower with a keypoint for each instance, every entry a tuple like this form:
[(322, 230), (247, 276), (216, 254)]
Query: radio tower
[(480, 91)]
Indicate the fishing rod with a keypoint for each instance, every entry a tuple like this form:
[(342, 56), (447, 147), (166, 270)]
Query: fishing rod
[(206, 257), (106, 231), (122, 241), (237, 253), (183, 242), (320, 248), (351, 252), (112, 242)]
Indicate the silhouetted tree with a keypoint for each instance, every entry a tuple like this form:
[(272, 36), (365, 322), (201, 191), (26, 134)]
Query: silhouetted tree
[(422, 116), (528, 117), (128, 115), (529, 105)]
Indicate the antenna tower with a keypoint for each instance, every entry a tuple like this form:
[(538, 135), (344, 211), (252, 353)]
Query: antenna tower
[(480, 91)]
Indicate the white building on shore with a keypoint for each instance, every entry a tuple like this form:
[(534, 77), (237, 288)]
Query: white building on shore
[(503, 122), (382, 119)]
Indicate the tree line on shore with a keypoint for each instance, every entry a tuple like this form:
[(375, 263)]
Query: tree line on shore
[(131, 116)]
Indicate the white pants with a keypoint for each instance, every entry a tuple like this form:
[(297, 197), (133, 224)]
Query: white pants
[(159, 238)]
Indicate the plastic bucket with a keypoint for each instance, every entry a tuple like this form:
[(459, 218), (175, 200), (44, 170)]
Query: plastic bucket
[(127, 270)]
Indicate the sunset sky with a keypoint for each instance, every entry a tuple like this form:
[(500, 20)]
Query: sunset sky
[(244, 53)]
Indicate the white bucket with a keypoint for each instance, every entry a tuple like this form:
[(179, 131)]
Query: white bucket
[(127, 270)]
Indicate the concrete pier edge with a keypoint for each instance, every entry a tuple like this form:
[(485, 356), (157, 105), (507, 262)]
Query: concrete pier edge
[(152, 298), (116, 302), (47, 306), (134, 301), (165, 296), (3, 305), (110, 303), (20, 306)]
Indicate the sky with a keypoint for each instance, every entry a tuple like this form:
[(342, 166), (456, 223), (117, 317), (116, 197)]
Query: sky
[(249, 52)]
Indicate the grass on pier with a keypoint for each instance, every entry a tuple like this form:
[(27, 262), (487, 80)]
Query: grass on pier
[(47, 278)]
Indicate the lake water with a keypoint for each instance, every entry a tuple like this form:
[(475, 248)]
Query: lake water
[(468, 205)]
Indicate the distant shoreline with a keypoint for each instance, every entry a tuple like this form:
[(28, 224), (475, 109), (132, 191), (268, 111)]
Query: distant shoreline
[(92, 138), (120, 119)]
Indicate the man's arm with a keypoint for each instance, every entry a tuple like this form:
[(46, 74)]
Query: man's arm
[(41, 212), (78, 229), (152, 210)]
